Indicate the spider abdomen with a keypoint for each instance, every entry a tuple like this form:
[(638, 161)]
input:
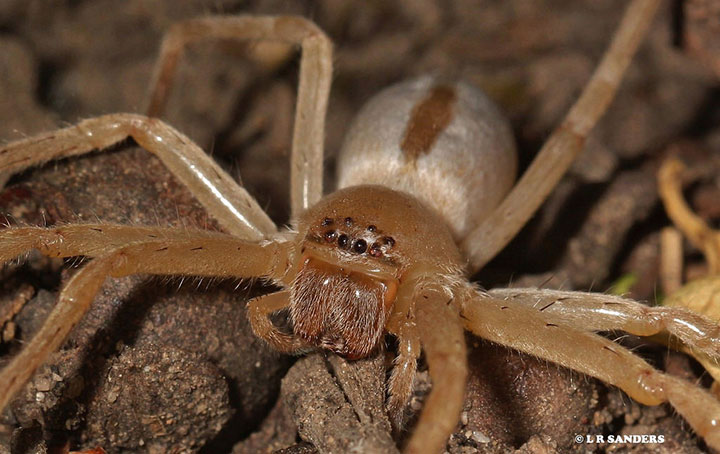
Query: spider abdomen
[(445, 143)]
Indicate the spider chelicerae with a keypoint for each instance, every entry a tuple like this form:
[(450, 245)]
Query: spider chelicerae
[(390, 251)]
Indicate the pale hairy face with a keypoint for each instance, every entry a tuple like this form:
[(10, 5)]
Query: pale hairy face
[(358, 246)]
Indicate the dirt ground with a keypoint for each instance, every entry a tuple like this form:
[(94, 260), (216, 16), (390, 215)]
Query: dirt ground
[(170, 365)]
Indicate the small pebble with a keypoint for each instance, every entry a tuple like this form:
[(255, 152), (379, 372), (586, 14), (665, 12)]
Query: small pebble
[(43, 384), (112, 396), (480, 437)]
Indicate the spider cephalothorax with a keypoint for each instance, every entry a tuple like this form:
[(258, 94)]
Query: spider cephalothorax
[(351, 267)]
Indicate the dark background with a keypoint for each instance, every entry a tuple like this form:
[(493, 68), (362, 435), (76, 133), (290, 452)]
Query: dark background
[(210, 382)]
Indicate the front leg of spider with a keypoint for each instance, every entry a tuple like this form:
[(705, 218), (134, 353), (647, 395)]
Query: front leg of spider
[(402, 324), (119, 251)]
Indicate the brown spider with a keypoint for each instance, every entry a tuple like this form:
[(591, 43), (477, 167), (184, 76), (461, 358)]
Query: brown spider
[(388, 252)]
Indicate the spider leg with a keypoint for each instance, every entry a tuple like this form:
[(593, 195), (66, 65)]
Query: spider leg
[(91, 240), (403, 326), (598, 312), (544, 335), (226, 201), (196, 254), (313, 91), (565, 143), (442, 338), (402, 377), (259, 310)]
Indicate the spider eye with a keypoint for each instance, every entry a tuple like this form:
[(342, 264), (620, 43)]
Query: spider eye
[(360, 246), (330, 236), (375, 250), (327, 221), (348, 221), (390, 241), (371, 228), (343, 241)]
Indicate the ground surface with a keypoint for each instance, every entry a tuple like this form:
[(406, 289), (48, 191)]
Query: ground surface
[(207, 384)]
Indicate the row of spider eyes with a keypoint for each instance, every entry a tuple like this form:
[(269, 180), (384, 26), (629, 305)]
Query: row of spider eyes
[(358, 246)]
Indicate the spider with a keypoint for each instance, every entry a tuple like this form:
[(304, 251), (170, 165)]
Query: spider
[(390, 251)]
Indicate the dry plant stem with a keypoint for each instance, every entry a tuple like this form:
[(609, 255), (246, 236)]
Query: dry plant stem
[(443, 342), (565, 143), (524, 329), (259, 311), (176, 252), (695, 229), (313, 91), (598, 312), (231, 205), (671, 260), (9, 309)]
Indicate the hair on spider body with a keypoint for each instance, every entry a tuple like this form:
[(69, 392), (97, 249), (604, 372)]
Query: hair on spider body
[(350, 268)]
